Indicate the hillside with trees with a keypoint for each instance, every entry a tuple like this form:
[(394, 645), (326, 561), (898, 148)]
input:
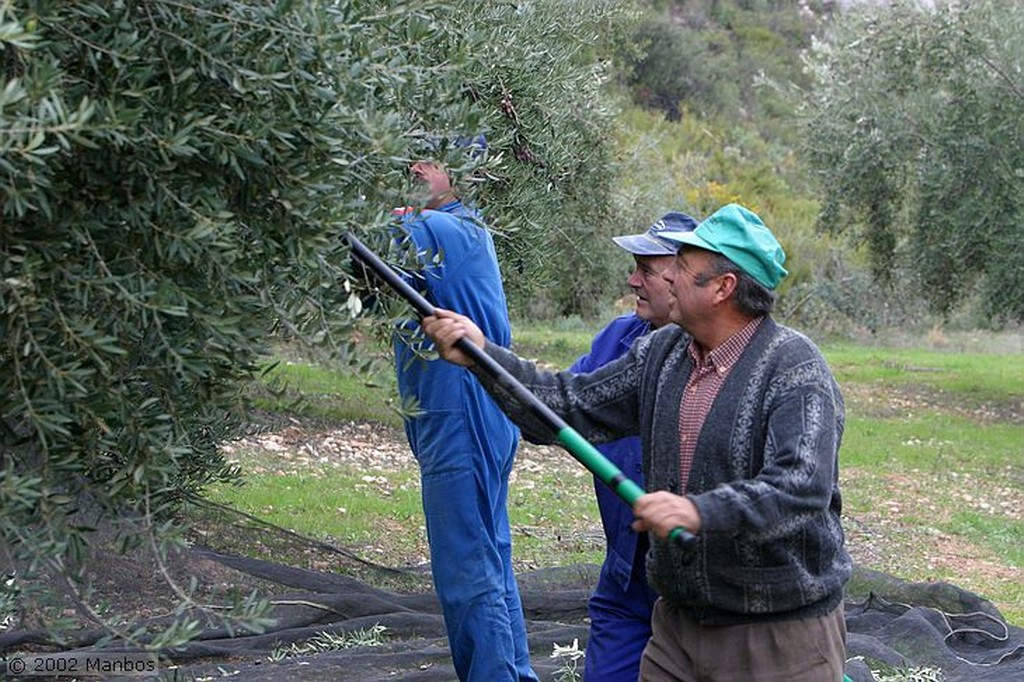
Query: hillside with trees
[(881, 141)]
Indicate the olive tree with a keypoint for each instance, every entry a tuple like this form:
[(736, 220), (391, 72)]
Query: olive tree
[(915, 130), (175, 180), (544, 73)]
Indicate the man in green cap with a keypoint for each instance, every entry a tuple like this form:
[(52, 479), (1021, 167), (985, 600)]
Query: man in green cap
[(741, 420)]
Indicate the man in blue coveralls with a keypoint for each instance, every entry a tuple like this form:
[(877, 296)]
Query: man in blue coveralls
[(463, 443), (620, 607)]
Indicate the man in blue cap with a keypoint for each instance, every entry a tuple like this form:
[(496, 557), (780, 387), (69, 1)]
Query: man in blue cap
[(740, 420), (620, 607), (463, 443)]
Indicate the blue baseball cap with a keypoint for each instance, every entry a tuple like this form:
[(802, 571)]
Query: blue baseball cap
[(651, 243), (475, 144), (738, 234)]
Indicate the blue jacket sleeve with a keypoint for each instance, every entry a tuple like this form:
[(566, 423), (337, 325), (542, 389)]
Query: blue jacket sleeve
[(611, 342)]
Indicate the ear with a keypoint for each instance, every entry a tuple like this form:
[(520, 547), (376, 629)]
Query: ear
[(725, 285)]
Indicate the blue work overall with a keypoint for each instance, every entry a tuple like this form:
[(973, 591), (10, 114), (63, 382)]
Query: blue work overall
[(465, 447), (621, 604)]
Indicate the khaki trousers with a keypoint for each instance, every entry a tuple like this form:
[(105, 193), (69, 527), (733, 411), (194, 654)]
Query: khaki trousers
[(808, 650)]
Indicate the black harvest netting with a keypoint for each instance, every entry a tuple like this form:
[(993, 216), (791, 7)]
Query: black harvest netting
[(344, 618)]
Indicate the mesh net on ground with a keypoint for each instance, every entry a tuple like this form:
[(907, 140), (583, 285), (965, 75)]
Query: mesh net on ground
[(335, 615)]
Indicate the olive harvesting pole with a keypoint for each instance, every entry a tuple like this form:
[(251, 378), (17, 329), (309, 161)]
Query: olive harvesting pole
[(574, 443)]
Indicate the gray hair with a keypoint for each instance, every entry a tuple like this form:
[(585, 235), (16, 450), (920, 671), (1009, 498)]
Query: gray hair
[(752, 297)]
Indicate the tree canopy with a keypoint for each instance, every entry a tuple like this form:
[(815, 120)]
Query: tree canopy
[(175, 180), (916, 130)]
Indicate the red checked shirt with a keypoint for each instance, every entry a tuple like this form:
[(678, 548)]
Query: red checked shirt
[(710, 371)]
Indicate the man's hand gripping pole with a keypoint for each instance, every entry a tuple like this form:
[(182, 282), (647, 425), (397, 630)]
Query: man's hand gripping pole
[(574, 443)]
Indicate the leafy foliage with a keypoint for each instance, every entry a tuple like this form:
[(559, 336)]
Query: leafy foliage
[(175, 179), (683, 66), (540, 68), (720, 57), (328, 641), (915, 130), (702, 162)]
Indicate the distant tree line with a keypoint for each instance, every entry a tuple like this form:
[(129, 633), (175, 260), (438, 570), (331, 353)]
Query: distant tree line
[(905, 118), (915, 128), (709, 56)]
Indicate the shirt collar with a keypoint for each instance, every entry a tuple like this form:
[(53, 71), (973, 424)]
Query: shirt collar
[(450, 206), (727, 354)]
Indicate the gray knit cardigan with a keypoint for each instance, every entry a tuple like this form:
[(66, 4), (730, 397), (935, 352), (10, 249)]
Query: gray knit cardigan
[(764, 477)]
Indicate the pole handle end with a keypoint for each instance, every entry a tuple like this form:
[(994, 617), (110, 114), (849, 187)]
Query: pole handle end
[(682, 537)]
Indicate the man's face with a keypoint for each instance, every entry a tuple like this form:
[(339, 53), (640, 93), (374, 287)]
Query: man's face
[(690, 296), (651, 289), (431, 182)]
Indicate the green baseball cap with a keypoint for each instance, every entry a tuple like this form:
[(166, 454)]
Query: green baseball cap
[(738, 234)]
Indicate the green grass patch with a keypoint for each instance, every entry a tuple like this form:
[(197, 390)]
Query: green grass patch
[(929, 440), (1004, 537), (334, 505), (557, 348), (975, 376), (556, 510), (328, 393), (931, 465)]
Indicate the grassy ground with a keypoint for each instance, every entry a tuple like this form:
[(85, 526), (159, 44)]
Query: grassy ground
[(932, 467)]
